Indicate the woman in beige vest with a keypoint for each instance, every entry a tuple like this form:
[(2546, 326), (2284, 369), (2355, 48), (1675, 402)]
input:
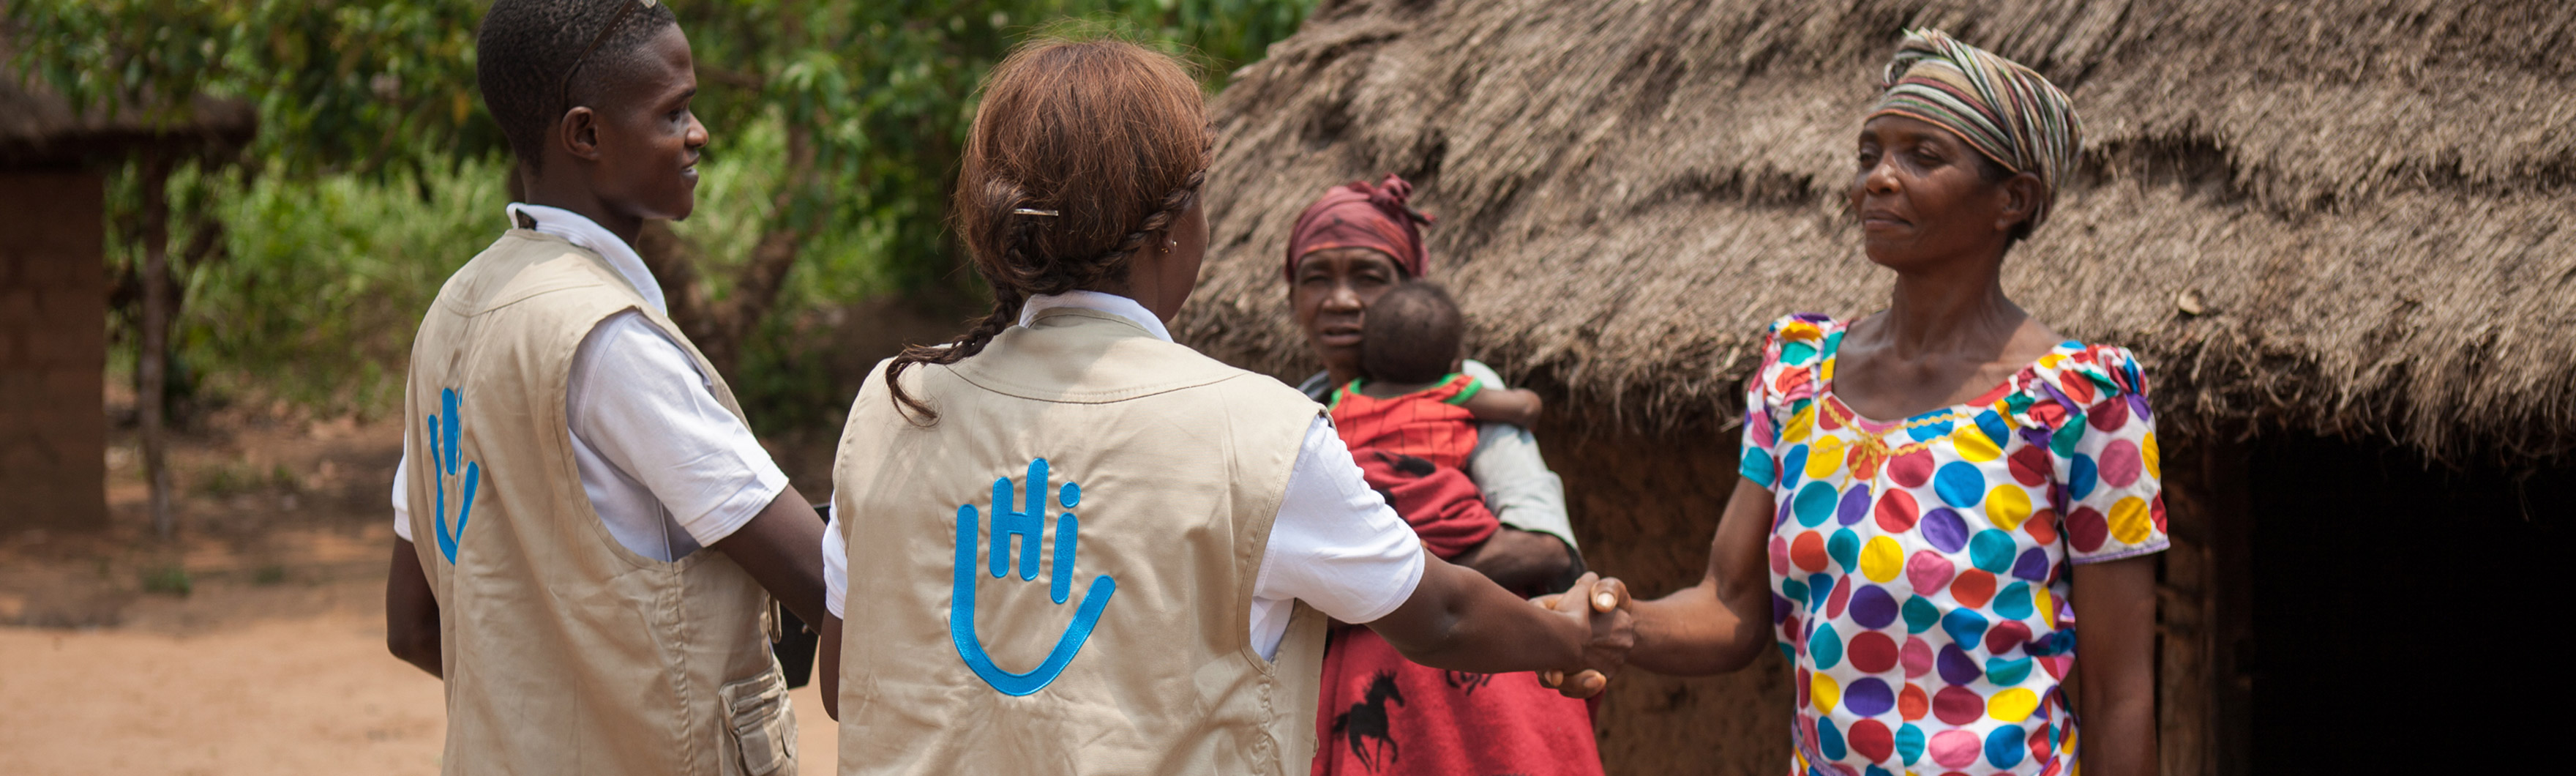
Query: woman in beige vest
[(1195, 523)]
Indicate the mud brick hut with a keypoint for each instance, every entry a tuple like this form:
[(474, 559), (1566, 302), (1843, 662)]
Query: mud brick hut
[(2341, 234), (54, 162)]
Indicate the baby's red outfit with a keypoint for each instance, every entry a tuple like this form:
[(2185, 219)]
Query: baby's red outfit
[(1413, 448), (1383, 715), (1430, 424)]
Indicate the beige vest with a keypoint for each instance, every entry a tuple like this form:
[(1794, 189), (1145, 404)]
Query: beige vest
[(565, 652), (1168, 466)]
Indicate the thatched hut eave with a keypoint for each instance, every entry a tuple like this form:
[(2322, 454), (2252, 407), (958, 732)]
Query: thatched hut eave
[(2373, 224)]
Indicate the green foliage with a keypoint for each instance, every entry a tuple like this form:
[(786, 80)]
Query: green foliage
[(886, 89), (324, 278), (377, 171), (366, 85), (168, 579), (235, 478)]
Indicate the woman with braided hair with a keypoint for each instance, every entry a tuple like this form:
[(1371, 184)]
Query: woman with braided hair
[(1211, 516)]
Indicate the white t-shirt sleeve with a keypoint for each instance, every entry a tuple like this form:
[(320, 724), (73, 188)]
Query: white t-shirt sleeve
[(1336, 545), (836, 564), (642, 405), (402, 504)]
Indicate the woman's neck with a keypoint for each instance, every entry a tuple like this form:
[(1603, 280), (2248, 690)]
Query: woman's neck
[(1942, 312)]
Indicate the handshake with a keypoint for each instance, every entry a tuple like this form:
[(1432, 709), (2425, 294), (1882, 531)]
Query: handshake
[(1601, 605)]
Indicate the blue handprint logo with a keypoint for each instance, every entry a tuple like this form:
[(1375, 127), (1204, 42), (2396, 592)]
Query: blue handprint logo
[(443, 455), (1026, 524)]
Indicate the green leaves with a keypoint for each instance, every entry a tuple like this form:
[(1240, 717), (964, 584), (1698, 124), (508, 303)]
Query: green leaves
[(339, 85), (884, 90), (840, 120)]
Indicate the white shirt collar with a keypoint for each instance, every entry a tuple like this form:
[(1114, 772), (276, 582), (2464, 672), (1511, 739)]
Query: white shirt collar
[(581, 231), (1113, 304)]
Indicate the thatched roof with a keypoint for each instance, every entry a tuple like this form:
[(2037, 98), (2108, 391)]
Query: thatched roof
[(2371, 204), (40, 129)]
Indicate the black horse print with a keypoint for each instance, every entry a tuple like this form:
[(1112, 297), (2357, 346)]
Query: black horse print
[(1367, 719), (1468, 681)]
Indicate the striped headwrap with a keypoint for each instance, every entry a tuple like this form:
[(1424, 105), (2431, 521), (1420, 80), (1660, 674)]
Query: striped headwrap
[(2005, 111)]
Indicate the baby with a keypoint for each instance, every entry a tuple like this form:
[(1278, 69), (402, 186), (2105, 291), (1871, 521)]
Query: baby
[(1410, 420)]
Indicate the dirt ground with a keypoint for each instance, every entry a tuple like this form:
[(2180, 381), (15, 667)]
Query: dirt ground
[(254, 643)]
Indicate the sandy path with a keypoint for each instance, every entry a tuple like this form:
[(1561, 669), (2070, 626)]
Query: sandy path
[(275, 663), (311, 695)]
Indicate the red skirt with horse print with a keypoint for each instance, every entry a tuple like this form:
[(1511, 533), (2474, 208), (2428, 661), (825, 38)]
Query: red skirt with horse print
[(1379, 713)]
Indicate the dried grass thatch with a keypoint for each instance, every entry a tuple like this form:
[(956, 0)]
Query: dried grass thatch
[(40, 129), (2350, 216)]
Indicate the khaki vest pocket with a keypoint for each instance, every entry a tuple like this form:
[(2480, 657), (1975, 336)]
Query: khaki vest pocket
[(763, 723)]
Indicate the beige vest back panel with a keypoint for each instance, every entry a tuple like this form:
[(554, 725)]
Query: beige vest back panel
[(1164, 469), (566, 653)]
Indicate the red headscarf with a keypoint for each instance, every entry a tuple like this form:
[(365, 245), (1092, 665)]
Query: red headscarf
[(1358, 215)]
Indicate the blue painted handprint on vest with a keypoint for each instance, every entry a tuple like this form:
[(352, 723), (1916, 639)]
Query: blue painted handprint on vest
[(442, 459), (1026, 524)]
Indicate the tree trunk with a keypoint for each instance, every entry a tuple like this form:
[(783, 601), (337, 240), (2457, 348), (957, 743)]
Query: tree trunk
[(151, 363)]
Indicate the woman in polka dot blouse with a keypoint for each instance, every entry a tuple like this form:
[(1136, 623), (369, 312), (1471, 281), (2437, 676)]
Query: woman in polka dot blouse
[(1937, 489)]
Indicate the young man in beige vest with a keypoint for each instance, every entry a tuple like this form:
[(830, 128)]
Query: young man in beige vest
[(571, 454), (1195, 522)]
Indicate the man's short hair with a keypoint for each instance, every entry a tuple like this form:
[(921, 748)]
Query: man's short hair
[(526, 47), (1410, 334)]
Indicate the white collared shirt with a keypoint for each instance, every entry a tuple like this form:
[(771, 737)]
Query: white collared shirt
[(1335, 545), (579, 230), (667, 468)]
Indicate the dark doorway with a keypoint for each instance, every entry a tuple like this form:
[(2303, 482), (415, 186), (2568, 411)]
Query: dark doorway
[(2401, 608)]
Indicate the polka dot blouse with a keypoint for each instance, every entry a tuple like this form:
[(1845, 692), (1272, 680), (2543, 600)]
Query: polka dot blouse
[(1919, 567)]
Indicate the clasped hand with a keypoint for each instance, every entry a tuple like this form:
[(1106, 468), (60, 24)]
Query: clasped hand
[(1613, 633)]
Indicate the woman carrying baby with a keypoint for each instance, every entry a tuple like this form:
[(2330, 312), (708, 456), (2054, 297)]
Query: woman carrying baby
[(1447, 444)]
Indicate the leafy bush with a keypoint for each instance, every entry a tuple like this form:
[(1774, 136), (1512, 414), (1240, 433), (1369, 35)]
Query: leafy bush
[(376, 174), (323, 280), (168, 578)]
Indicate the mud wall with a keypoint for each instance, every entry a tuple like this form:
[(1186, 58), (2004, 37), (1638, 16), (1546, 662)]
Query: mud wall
[(53, 351), (1644, 508)]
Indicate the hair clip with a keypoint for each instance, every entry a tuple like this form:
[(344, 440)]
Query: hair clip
[(1030, 211)]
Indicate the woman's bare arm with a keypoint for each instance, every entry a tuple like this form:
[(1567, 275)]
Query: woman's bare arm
[(1525, 562), (1516, 406), (1720, 624), (2115, 660), (1459, 620)]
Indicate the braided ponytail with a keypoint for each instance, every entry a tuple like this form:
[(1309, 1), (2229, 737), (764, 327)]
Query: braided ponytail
[(1082, 154)]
